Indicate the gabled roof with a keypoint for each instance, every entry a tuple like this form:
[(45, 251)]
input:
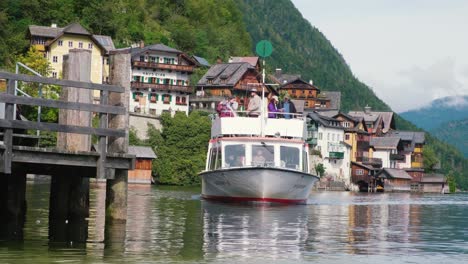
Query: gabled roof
[(75, 28), (386, 117), (335, 98), (201, 61), (433, 178), (54, 33), (105, 41), (155, 47), (394, 174), (142, 152), (325, 120), (417, 137), (43, 31), (282, 78), (225, 74), (251, 60), (363, 166), (384, 142), (299, 84)]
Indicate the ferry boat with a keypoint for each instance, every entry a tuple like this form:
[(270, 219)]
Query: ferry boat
[(258, 159)]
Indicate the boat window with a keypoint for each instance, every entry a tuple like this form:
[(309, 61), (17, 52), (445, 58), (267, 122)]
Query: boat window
[(219, 158), (305, 162), (289, 157), (263, 155), (212, 158), (234, 155)]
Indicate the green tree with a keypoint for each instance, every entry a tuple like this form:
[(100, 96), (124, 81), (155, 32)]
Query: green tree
[(181, 148), (320, 169), (430, 159), (452, 183)]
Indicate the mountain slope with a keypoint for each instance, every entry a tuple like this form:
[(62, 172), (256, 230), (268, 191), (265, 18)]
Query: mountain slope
[(439, 112), (454, 133), (298, 47)]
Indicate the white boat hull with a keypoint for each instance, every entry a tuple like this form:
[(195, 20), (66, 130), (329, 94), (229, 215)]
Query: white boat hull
[(257, 184)]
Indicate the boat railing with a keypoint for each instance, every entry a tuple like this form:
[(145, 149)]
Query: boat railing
[(244, 113)]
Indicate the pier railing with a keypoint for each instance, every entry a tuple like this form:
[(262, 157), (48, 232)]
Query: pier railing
[(103, 109)]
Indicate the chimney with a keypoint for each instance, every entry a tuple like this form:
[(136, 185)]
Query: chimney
[(53, 25), (142, 44), (278, 71), (367, 109), (311, 82), (219, 60)]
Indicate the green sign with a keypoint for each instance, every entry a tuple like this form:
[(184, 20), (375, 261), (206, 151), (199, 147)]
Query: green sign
[(264, 48)]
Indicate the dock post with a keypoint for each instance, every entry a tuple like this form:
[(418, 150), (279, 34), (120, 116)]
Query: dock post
[(13, 205), (116, 189), (69, 192)]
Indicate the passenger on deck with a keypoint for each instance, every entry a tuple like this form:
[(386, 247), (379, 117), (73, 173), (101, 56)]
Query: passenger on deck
[(224, 109), (233, 103), (287, 107), (255, 104), (258, 159), (273, 107)]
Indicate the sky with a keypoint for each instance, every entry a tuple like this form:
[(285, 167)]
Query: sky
[(409, 52)]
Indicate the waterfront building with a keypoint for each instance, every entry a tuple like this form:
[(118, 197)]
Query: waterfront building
[(387, 149), (434, 183), (394, 180), (143, 164), (356, 135), (227, 79), (413, 145), (160, 80), (326, 139), (363, 175), (377, 123), (55, 42), (313, 99)]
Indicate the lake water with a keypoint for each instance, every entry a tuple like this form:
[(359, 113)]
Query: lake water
[(172, 225)]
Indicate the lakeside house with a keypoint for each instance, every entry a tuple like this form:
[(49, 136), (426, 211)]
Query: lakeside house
[(55, 42), (377, 123), (143, 164), (394, 180), (228, 79), (160, 80), (326, 139)]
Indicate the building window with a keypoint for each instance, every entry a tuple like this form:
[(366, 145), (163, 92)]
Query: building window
[(359, 172), (90, 45), (54, 74), (55, 59), (60, 42), (347, 136), (152, 111), (142, 58), (80, 45), (320, 136), (70, 44)]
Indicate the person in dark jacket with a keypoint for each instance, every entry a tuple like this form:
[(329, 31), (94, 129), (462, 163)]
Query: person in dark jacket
[(287, 107)]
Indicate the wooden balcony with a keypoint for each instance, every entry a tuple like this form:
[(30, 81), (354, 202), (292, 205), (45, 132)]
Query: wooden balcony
[(397, 157), (374, 162), (163, 66), (162, 87)]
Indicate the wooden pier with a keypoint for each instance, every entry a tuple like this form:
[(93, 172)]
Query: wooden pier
[(71, 163)]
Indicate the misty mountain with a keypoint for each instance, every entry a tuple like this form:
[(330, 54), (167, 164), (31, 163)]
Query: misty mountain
[(438, 112)]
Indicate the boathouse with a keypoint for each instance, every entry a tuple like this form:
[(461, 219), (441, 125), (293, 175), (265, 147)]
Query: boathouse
[(395, 180), (434, 183), (143, 164)]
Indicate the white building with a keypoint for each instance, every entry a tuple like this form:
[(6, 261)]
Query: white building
[(387, 149), (160, 80), (326, 136)]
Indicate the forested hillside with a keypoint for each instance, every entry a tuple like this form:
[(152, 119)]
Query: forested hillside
[(455, 133), (206, 28)]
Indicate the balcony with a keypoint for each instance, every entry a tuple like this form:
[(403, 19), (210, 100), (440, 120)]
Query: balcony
[(416, 165), (397, 157), (336, 155), (163, 66), (162, 87)]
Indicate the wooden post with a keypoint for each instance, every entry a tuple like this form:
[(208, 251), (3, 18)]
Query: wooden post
[(116, 189), (13, 205), (69, 193)]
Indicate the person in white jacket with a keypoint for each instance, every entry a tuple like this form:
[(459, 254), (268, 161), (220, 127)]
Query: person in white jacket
[(255, 104)]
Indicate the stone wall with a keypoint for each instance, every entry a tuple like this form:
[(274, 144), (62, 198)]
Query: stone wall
[(140, 123)]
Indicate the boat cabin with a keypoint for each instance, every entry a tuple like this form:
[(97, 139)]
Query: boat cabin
[(225, 153), (242, 141)]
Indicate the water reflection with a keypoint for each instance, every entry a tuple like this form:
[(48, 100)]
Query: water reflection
[(245, 230), (166, 224)]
